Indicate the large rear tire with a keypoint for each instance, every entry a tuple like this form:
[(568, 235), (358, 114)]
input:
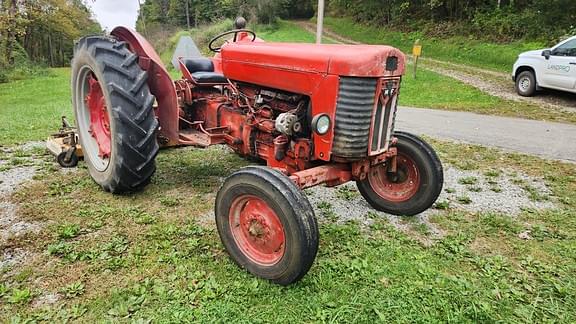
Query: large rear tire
[(414, 187), (267, 225), (114, 113)]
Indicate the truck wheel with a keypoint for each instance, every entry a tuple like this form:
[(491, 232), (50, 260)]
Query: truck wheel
[(114, 114), (414, 187), (526, 84), (267, 225)]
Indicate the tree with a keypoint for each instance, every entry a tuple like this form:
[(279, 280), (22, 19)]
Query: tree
[(44, 29)]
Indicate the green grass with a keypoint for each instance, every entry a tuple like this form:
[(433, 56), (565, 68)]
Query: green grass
[(432, 90), (173, 267), (31, 109), (286, 31), (499, 57)]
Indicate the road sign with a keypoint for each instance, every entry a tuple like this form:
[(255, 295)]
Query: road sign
[(417, 50), (416, 53)]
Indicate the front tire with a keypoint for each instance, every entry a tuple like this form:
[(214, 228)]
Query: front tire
[(267, 225), (414, 187), (114, 114), (526, 84)]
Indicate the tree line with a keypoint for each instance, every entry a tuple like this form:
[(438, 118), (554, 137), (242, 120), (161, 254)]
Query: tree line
[(493, 19), (499, 20), (192, 13), (42, 31)]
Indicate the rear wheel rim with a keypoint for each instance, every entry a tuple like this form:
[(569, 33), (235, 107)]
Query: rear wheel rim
[(93, 119), (257, 230), (396, 187)]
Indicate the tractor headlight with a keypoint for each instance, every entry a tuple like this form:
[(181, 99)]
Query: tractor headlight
[(321, 124)]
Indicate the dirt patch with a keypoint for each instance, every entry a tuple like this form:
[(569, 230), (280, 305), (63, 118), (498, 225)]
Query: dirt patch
[(506, 193), (10, 225), (19, 166)]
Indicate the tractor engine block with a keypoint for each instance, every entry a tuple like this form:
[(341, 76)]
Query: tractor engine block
[(262, 123)]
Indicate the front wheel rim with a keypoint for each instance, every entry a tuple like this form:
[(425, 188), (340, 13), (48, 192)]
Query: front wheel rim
[(257, 230), (524, 84), (396, 187)]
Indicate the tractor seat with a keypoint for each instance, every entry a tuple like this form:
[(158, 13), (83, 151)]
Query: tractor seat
[(202, 71)]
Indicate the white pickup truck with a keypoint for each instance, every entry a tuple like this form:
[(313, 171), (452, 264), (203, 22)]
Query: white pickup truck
[(553, 68)]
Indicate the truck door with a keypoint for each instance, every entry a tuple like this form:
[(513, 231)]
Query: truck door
[(560, 69)]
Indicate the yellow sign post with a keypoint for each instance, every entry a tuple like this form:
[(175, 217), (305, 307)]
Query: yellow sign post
[(416, 53)]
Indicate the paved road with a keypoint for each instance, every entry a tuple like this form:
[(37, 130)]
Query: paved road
[(550, 140)]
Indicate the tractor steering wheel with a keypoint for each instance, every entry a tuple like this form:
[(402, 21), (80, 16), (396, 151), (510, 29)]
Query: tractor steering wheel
[(235, 32)]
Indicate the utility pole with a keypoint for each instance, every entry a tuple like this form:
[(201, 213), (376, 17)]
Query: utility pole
[(320, 22), (188, 14)]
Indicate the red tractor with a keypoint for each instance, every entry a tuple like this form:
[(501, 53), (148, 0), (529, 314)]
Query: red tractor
[(312, 114)]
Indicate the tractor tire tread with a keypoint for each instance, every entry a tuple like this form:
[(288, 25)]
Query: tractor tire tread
[(143, 114), (128, 121), (132, 59), (124, 71), (140, 81), (119, 90)]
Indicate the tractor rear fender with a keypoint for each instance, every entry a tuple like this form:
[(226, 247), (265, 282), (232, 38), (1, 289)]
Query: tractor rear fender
[(159, 81)]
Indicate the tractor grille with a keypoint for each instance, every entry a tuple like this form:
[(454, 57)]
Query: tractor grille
[(360, 129), (354, 109), (384, 118)]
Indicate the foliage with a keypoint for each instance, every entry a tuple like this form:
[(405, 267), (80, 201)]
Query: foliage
[(45, 30), (195, 13), (501, 20)]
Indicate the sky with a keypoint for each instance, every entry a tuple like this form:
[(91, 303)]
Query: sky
[(112, 13)]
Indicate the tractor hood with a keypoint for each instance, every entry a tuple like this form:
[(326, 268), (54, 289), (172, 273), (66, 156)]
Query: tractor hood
[(341, 60)]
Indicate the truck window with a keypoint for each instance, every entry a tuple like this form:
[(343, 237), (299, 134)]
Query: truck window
[(566, 49)]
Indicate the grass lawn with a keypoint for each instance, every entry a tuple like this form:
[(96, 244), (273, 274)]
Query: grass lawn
[(31, 109), (286, 31), (499, 57), (156, 255)]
